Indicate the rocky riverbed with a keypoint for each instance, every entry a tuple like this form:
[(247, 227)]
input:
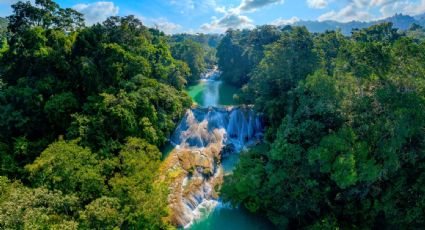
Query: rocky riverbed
[(193, 169)]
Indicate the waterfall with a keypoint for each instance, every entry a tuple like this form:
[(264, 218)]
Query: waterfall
[(236, 126), (204, 136), (199, 139)]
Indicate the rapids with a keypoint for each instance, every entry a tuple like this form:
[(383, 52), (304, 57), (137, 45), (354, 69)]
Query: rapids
[(237, 126), (207, 135)]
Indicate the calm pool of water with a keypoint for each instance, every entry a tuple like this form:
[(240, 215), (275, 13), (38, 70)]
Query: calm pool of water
[(217, 93), (212, 93), (224, 217)]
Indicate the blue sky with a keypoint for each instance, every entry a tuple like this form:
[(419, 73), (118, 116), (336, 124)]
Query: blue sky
[(210, 16)]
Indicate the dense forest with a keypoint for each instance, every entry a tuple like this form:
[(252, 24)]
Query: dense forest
[(344, 144), (85, 110), (198, 51)]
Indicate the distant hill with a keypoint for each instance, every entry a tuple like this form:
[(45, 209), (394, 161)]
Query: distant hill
[(210, 40), (400, 21)]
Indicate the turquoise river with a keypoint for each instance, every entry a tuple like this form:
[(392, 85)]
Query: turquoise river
[(215, 93)]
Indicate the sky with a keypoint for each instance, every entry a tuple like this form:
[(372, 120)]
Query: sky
[(216, 16)]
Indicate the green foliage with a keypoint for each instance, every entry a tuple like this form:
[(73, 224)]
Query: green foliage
[(53, 77), (3, 30), (46, 14), (145, 200), (230, 54), (102, 213), (59, 107), (25, 208), (240, 51), (345, 144), (69, 168), (209, 43), (193, 54), (144, 108), (416, 32), (83, 111), (286, 62), (207, 40)]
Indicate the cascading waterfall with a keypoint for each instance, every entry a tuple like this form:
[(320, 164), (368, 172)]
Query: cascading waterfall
[(193, 168), (237, 126)]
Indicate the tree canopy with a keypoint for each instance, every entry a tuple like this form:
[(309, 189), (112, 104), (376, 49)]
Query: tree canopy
[(344, 145), (83, 113)]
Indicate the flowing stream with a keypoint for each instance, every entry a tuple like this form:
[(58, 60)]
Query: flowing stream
[(207, 143)]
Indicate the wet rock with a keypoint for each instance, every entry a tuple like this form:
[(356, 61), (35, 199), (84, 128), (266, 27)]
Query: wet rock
[(193, 170)]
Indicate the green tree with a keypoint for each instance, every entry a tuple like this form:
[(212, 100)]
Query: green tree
[(289, 60), (145, 201), (102, 213), (25, 208), (193, 54), (348, 152), (70, 168)]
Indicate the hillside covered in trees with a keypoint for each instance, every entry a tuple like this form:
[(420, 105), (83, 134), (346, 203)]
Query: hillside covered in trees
[(399, 21), (344, 144), (83, 112), (198, 51)]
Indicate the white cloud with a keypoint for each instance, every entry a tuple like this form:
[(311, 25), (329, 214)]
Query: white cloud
[(97, 11), (282, 22), (253, 5), (413, 9), (161, 24), (233, 18), (374, 3), (166, 26), (229, 20), (397, 7), (221, 9), (349, 13), (317, 4), (361, 10)]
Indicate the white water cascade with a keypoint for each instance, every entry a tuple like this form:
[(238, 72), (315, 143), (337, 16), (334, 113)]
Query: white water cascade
[(236, 126), (201, 140)]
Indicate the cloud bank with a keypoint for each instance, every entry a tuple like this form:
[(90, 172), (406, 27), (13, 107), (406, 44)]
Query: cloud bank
[(253, 5), (234, 17), (360, 10), (97, 11)]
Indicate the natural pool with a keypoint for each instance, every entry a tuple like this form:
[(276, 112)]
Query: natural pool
[(217, 93), (212, 93), (225, 217)]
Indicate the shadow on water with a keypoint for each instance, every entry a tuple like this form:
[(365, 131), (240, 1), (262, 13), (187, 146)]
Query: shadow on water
[(166, 150)]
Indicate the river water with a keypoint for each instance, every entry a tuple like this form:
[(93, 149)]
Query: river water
[(214, 93), (210, 92)]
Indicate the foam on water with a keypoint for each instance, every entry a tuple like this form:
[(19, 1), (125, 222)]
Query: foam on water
[(237, 126), (226, 129)]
